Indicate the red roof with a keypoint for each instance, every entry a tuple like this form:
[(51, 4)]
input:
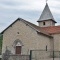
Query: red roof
[(51, 29), (46, 30)]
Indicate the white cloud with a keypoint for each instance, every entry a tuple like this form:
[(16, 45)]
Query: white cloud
[(27, 9), (25, 5)]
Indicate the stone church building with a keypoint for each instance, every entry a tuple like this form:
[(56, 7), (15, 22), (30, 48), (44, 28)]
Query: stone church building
[(22, 36)]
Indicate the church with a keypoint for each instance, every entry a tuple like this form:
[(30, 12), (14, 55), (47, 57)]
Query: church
[(22, 36)]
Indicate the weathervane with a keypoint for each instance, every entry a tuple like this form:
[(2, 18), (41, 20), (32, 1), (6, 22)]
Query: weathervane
[(46, 1)]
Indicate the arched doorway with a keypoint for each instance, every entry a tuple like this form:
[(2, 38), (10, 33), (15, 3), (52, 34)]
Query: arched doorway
[(17, 46)]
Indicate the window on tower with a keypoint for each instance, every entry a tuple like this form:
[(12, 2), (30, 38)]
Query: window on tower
[(43, 23)]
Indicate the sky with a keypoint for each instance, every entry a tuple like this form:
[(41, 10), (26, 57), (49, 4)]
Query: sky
[(29, 10)]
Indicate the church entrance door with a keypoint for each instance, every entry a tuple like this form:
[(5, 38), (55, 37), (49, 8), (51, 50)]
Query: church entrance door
[(18, 49)]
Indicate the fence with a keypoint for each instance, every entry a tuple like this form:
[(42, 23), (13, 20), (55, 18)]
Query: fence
[(34, 55), (9, 56), (19, 57), (44, 55), (16, 57)]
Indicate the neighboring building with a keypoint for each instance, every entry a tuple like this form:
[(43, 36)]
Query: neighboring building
[(22, 36)]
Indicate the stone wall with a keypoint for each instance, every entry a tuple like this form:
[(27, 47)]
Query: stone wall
[(16, 57), (45, 55), (30, 39), (56, 42), (47, 23)]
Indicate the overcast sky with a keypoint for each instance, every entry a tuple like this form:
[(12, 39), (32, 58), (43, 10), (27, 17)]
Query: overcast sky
[(29, 10)]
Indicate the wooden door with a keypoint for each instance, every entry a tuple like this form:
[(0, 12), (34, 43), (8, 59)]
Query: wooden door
[(18, 49)]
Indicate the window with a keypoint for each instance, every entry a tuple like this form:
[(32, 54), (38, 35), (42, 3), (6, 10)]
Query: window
[(46, 47), (43, 23), (17, 32)]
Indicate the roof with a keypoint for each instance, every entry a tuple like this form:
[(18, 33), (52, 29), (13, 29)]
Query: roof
[(46, 14), (37, 28), (47, 31), (51, 29)]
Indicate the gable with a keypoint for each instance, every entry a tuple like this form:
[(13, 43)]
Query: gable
[(19, 28), (19, 19)]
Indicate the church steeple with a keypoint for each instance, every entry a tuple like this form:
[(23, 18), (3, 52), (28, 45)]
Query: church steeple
[(46, 17)]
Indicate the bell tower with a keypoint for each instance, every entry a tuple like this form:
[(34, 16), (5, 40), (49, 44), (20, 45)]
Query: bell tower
[(46, 19)]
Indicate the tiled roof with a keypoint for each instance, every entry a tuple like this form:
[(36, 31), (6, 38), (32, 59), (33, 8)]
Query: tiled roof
[(46, 30), (51, 29)]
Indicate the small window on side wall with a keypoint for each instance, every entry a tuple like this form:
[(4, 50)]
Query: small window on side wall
[(43, 23), (46, 47)]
